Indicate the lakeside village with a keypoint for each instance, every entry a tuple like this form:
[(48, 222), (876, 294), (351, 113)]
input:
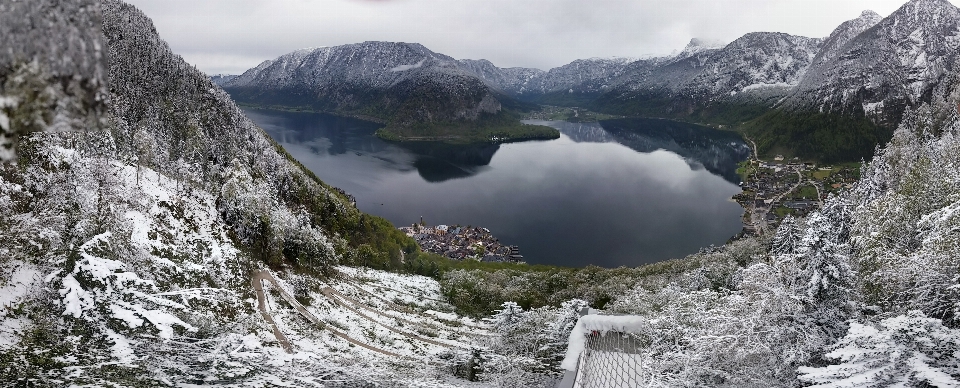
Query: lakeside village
[(771, 191), (460, 243), (774, 189)]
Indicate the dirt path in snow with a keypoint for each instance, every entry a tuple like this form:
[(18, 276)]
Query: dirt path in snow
[(399, 308), (402, 309), (257, 282), (331, 294)]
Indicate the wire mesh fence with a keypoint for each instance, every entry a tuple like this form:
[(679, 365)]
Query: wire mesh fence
[(610, 360)]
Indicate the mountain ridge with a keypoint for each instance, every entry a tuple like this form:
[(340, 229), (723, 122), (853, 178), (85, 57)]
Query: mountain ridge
[(417, 93)]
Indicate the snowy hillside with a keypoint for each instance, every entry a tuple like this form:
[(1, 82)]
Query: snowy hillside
[(891, 65), (151, 235), (512, 80), (697, 46), (377, 65), (753, 62)]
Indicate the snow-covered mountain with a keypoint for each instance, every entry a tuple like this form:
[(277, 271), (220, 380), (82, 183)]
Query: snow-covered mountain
[(402, 84), (700, 76), (586, 75), (696, 46), (892, 64), (512, 80), (220, 79), (843, 34), (863, 75)]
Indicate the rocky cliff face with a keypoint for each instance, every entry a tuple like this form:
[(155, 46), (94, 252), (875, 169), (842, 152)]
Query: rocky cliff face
[(753, 62)]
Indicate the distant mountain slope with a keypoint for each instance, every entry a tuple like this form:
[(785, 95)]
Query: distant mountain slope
[(890, 65), (831, 99), (705, 84), (417, 93), (511, 80), (860, 85), (220, 79)]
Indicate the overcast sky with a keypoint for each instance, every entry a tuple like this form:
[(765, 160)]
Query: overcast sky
[(230, 36)]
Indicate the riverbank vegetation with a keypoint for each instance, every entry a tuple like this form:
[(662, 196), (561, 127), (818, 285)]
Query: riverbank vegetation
[(502, 128)]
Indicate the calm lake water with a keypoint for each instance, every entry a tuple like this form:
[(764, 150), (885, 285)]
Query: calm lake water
[(627, 192)]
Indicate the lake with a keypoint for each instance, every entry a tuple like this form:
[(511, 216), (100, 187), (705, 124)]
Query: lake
[(624, 193)]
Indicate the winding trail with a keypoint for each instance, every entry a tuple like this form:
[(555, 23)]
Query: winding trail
[(399, 308), (257, 282), (331, 295), (357, 303)]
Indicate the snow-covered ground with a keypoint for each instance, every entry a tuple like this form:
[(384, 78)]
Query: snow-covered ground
[(160, 286)]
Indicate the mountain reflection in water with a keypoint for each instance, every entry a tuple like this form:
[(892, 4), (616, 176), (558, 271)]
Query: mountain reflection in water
[(701, 147), (608, 194)]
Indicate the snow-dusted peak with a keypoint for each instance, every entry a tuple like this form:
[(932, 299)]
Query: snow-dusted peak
[(372, 63), (882, 67), (697, 45), (919, 9), (620, 60), (843, 34), (870, 14)]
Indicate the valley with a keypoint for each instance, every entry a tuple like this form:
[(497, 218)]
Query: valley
[(598, 191), (160, 228)]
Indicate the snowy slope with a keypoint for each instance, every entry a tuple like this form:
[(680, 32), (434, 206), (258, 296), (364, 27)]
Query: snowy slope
[(585, 75), (511, 80), (697, 46), (756, 60), (130, 240), (891, 65), (371, 64)]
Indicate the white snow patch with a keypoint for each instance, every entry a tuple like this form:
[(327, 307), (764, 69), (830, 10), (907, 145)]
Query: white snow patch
[(121, 349), (764, 85), (442, 315), (6, 102), (873, 107), (10, 331), (128, 316), (408, 67), (19, 285), (75, 299)]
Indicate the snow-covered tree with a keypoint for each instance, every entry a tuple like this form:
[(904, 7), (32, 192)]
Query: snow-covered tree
[(786, 241), (904, 351)]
